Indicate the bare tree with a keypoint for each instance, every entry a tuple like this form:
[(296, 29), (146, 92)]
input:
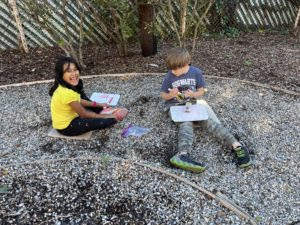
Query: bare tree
[(182, 21), (68, 45), (116, 19), (15, 13), (43, 13), (173, 22), (200, 21), (184, 18), (297, 25)]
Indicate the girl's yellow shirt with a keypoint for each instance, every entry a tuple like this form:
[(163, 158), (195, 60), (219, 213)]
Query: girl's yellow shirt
[(61, 112)]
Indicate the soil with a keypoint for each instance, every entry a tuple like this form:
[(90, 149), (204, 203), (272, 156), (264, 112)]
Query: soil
[(272, 59)]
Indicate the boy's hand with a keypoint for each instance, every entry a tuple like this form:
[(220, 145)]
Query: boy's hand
[(173, 92), (189, 94)]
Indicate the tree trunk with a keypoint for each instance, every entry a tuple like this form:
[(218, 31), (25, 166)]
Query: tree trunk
[(147, 38), (15, 13)]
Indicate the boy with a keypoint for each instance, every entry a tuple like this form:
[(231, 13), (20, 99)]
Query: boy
[(185, 83)]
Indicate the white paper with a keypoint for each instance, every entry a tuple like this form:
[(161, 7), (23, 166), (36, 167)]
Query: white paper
[(198, 112), (111, 99)]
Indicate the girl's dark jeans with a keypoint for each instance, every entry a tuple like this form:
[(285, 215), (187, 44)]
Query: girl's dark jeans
[(82, 125)]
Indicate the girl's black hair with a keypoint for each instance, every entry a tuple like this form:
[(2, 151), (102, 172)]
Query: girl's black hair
[(59, 72)]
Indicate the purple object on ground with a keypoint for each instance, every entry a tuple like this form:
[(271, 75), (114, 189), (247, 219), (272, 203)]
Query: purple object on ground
[(134, 131)]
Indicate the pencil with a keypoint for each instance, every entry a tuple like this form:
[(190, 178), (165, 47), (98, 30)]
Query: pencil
[(110, 100)]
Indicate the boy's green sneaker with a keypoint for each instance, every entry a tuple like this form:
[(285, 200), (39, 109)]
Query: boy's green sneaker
[(185, 163), (243, 157)]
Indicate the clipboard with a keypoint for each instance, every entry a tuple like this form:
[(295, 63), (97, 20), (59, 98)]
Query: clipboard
[(111, 99), (197, 113)]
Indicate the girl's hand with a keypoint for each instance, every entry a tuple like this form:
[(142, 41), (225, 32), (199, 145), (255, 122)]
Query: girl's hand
[(104, 105), (120, 114)]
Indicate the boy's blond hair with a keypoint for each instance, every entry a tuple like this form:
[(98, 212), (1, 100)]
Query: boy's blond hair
[(177, 58)]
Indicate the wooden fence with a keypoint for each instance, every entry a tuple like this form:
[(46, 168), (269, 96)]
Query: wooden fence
[(266, 13), (250, 14)]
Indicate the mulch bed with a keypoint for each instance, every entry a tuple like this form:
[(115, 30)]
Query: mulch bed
[(266, 58)]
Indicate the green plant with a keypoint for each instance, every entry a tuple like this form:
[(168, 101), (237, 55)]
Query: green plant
[(258, 218), (247, 63), (231, 32), (4, 189), (105, 160), (228, 56), (223, 19), (117, 19)]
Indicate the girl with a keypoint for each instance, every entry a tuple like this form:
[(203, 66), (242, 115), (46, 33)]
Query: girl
[(72, 112)]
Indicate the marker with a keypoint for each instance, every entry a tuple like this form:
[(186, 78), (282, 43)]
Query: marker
[(179, 96)]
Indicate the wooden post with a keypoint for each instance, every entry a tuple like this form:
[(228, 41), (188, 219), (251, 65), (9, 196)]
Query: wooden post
[(147, 39), (15, 13)]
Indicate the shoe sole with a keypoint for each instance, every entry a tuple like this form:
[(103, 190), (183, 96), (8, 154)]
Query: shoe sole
[(245, 165), (195, 169)]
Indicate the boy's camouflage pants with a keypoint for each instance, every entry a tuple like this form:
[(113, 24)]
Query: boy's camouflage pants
[(186, 133), (212, 125)]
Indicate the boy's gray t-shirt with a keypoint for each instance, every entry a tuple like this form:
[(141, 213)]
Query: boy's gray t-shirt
[(192, 80)]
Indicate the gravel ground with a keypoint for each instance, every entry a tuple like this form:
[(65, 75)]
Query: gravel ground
[(113, 190)]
